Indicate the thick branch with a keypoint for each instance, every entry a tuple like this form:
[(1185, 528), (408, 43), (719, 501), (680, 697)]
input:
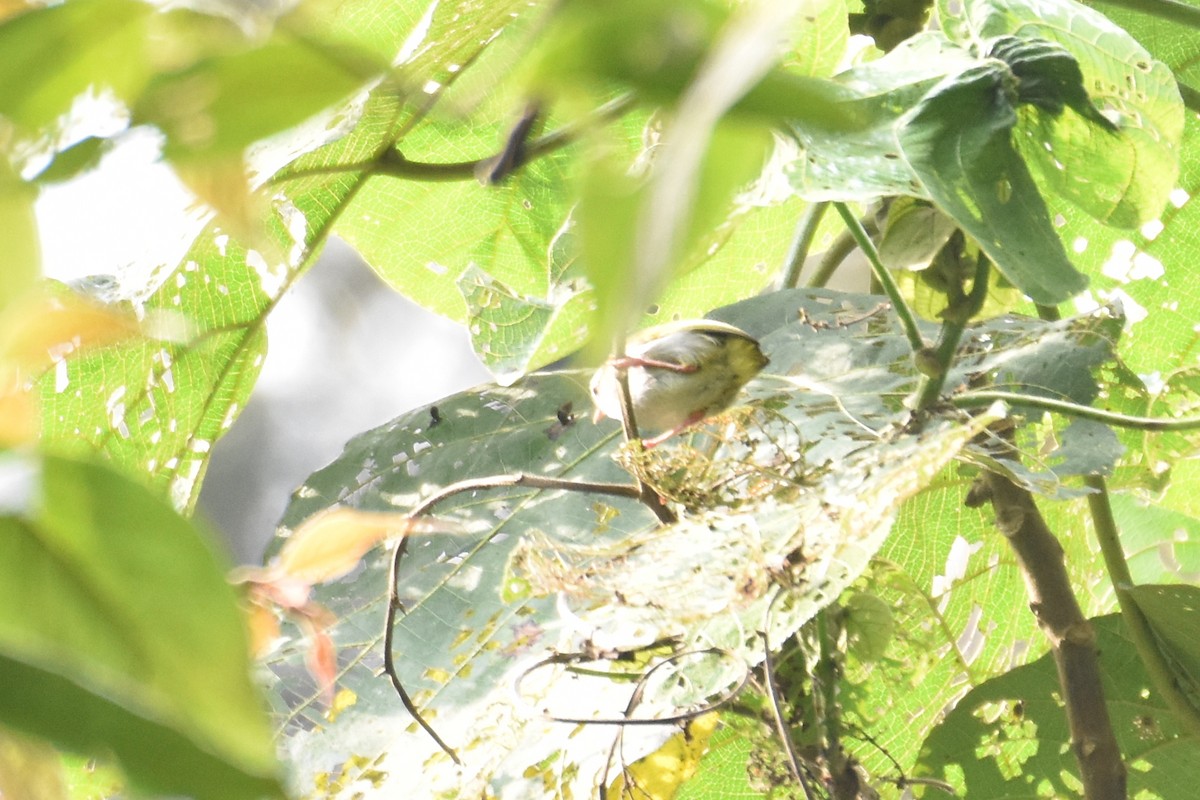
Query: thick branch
[(1072, 638)]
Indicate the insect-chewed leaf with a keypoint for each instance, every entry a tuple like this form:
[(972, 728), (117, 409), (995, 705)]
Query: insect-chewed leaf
[(584, 602)]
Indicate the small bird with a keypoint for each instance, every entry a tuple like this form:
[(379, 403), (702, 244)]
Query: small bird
[(679, 373)]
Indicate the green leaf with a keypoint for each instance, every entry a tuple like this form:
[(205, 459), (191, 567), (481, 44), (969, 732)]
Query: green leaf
[(156, 404), (869, 626), (958, 140), (119, 634), (96, 43), (1047, 359), (1053, 456), (1173, 612), (1048, 77), (73, 162), (508, 329), (528, 573), (1122, 179), (222, 104), (1017, 721), (864, 161)]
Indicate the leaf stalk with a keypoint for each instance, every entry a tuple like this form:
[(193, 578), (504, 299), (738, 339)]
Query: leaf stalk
[(907, 319)]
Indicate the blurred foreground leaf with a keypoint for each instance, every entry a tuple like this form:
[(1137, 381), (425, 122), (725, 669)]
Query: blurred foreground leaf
[(120, 635)]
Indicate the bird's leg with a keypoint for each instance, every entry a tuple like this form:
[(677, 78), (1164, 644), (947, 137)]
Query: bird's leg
[(693, 418), (625, 362)]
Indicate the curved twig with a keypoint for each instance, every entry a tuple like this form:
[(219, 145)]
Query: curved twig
[(394, 605)]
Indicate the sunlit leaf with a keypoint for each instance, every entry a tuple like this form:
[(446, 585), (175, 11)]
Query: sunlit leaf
[(1017, 722), (1121, 177), (157, 405)]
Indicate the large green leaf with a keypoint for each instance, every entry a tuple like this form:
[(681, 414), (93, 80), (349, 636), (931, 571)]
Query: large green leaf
[(533, 573), (1173, 612), (958, 140), (1122, 179), (157, 405), (120, 635), (1017, 722)]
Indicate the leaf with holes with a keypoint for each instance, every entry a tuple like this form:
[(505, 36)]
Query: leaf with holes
[(958, 140), (1018, 720), (571, 597), (1121, 175)]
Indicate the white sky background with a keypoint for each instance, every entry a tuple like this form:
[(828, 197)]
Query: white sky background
[(345, 353)]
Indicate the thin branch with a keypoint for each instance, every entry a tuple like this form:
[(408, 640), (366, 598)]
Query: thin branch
[(389, 663), (907, 319), (626, 721), (781, 729), (1072, 638), (985, 397), (1140, 631), (806, 231), (646, 493)]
